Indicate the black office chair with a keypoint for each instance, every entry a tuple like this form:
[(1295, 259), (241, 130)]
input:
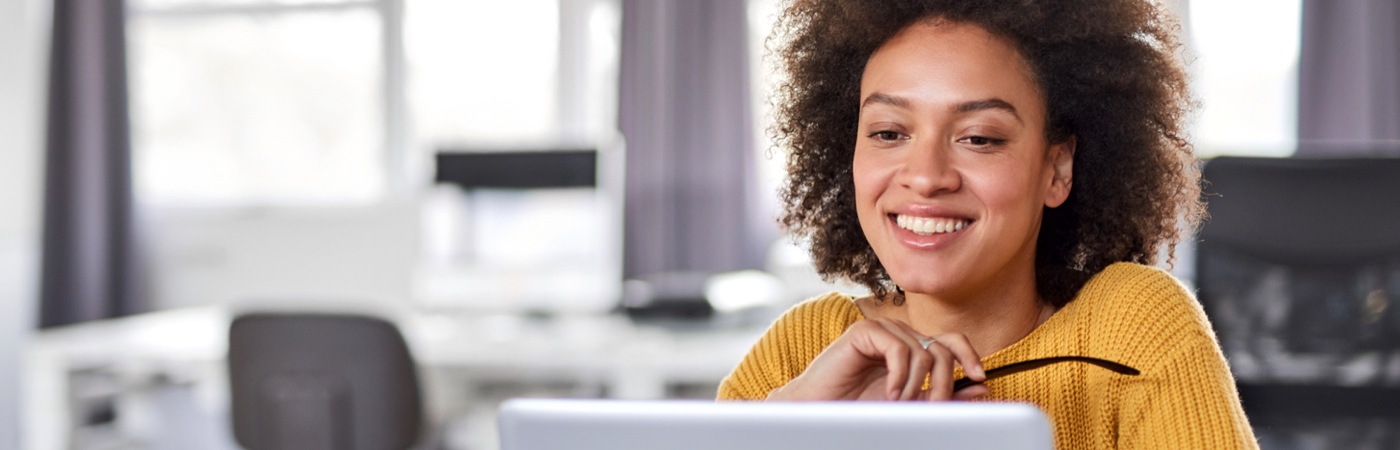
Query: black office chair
[(311, 382), (1298, 268)]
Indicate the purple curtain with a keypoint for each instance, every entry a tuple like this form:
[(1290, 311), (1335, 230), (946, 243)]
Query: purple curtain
[(1349, 77), (89, 251), (685, 112)]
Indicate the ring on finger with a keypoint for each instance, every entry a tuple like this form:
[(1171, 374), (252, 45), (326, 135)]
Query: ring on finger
[(925, 342)]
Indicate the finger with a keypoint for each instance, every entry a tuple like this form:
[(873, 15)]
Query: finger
[(972, 392), (920, 362), (962, 350), (940, 373), (897, 364), (876, 341), (940, 379)]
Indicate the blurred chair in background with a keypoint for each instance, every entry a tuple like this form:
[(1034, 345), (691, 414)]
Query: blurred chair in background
[(312, 381), (1297, 267)]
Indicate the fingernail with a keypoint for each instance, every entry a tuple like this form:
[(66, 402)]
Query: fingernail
[(980, 373), (894, 394)]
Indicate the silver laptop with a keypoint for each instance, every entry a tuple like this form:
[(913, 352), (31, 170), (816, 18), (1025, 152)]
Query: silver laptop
[(540, 424)]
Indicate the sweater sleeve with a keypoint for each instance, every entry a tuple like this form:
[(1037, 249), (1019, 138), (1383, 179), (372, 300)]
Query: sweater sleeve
[(1185, 397), (789, 345)]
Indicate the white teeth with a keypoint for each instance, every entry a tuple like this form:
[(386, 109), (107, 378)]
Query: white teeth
[(930, 225)]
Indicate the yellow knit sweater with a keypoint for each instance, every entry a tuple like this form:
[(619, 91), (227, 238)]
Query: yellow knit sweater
[(1133, 314)]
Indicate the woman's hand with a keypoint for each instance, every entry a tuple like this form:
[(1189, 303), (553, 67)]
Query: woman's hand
[(884, 359)]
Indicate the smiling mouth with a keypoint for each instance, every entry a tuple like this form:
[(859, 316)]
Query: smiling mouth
[(927, 226)]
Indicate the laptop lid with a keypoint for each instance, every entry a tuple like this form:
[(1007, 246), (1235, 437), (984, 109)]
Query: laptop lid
[(541, 424)]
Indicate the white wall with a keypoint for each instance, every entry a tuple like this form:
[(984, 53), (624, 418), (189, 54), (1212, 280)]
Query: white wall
[(22, 68)]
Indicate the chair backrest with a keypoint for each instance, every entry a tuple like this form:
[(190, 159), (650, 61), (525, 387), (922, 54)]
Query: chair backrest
[(1298, 268), (1299, 263), (314, 381)]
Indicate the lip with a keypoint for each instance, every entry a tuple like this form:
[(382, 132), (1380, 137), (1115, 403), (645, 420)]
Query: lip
[(930, 242), (927, 211)]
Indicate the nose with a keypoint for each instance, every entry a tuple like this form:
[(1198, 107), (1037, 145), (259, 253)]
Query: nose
[(929, 170)]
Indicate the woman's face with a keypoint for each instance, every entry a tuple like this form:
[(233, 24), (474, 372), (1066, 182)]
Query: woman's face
[(951, 166)]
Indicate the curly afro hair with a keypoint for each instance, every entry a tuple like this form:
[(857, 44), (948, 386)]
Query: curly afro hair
[(1111, 79)]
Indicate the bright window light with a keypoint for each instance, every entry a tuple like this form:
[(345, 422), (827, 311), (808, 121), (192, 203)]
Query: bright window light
[(236, 109), (1245, 75), (477, 77)]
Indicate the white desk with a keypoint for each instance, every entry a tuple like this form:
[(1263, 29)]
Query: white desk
[(188, 347)]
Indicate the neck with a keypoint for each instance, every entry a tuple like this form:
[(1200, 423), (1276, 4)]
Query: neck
[(992, 319)]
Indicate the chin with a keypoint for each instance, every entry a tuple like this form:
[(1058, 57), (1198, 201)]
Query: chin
[(924, 284), (943, 279)]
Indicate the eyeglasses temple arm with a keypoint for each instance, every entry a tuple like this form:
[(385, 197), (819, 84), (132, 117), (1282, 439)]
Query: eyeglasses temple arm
[(1023, 366)]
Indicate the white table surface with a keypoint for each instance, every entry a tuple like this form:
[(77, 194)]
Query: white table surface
[(189, 346)]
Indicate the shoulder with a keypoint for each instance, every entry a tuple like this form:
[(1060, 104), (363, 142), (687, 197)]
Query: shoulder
[(1143, 317), (1134, 280), (826, 315), (1138, 291), (789, 345), (1142, 311)]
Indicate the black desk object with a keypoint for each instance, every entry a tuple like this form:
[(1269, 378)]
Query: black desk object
[(536, 169)]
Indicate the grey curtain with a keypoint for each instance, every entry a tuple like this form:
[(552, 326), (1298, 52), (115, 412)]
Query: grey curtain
[(89, 266), (684, 110), (1349, 77)]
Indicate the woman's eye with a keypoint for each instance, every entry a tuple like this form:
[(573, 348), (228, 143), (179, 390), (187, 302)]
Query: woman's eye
[(981, 141), (885, 135)]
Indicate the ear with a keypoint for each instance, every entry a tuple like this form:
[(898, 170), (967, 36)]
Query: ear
[(1061, 160)]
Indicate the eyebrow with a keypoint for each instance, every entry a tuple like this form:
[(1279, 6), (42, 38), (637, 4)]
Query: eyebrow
[(987, 104), (961, 108), (887, 99)]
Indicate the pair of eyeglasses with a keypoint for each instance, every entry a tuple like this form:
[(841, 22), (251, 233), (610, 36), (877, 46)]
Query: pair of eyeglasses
[(1023, 366)]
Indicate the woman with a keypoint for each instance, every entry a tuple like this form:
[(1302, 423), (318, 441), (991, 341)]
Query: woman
[(1000, 174)]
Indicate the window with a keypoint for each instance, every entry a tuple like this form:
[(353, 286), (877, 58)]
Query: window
[(1246, 75), (338, 102), (284, 147), (235, 104)]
